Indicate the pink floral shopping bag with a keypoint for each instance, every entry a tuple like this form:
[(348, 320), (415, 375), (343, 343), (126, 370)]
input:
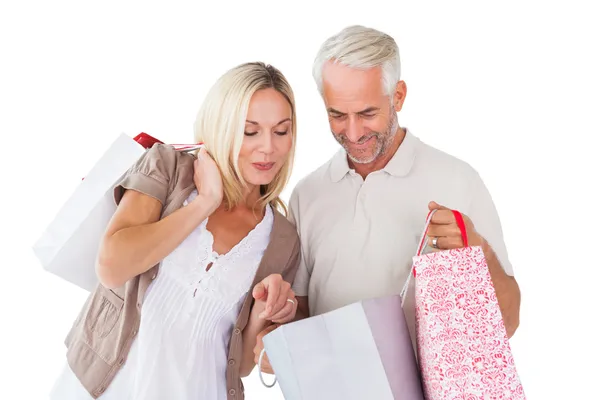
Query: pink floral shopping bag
[(462, 346)]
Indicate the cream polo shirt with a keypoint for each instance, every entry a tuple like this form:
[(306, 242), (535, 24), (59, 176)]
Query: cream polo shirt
[(358, 237)]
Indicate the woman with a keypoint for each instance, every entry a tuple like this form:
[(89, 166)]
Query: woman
[(197, 259)]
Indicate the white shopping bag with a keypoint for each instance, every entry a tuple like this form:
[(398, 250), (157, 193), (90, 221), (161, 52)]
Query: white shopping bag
[(69, 246), (362, 351)]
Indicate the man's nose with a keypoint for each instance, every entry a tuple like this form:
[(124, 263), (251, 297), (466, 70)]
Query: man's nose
[(354, 129)]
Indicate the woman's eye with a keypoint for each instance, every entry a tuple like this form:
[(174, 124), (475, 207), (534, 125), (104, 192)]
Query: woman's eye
[(250, 133), (281, 133)]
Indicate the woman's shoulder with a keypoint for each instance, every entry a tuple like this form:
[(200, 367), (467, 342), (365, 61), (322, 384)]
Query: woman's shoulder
[(156, 172)]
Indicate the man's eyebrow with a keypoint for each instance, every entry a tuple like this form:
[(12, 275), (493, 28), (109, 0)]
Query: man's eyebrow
[(368, 110), (365, 111)]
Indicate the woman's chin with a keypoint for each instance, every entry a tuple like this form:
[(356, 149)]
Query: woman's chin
[(260, 178)]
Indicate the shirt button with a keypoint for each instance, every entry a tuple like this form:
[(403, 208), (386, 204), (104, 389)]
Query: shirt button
[(232, 392), (121, 361), (101, 390), (154, 276), (134, 333), (237, 331), (231, 362)]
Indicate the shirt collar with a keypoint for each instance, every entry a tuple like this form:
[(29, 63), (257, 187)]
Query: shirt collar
[(400, 164)]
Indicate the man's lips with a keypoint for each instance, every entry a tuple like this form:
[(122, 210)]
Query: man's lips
[(362, 145)]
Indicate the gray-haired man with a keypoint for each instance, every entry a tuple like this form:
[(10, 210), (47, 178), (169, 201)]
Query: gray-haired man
[(359, 216)]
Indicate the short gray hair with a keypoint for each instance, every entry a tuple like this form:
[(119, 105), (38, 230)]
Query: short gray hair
[(362, 48)]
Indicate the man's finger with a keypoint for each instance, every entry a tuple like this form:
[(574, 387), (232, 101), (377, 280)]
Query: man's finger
[(446, 243), (436, 206), (443, 230), (443, 217)]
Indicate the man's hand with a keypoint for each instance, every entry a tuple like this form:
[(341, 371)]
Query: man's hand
[(276, 299), (266, 366), (444, 232)]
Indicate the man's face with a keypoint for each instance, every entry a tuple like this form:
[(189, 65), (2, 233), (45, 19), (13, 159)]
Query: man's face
[(361, 115)]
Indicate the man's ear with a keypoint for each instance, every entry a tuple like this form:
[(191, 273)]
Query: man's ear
[(399, 95)]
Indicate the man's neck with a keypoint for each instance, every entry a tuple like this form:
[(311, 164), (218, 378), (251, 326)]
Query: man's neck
[(380, 162)]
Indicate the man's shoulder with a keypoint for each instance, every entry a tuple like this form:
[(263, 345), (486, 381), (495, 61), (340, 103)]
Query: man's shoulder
[(434, 160)]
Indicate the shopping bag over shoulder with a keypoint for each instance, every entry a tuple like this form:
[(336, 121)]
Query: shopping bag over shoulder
[(69, 245), (462, 345)]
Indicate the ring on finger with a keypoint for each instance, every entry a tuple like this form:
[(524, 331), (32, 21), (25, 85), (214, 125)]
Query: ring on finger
[(434, 243)]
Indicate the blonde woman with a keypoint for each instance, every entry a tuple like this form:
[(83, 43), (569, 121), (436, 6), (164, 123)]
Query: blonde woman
[(198, 258)]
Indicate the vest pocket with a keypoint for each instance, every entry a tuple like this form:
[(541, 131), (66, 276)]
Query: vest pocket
[(103, 313)]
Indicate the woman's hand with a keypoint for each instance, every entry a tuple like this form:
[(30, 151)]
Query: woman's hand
[(275, 299), (207, 178)]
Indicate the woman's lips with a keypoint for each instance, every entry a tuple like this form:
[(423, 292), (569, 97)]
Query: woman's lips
[(263, 166)]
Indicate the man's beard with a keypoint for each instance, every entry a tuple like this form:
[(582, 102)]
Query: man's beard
[(383, 141)]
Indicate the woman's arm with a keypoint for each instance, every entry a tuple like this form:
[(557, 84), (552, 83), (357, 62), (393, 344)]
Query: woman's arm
[(274, 303), (136, 239), (254, 327)]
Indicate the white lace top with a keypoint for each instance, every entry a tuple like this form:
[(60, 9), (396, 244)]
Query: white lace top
[(188, 315)]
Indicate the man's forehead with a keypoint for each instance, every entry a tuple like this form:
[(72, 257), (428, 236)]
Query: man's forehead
[(351, 87)]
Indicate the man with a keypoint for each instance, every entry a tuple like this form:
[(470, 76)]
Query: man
[(360, 215)]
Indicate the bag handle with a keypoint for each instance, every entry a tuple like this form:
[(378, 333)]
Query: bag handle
[(260, 375), (463, 232), (147, 141)]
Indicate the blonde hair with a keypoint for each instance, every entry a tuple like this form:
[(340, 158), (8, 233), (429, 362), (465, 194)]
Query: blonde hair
[(220, 124), (362, 48)]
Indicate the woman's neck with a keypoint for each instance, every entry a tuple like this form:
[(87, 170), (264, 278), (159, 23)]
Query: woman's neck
[(248, 203), (252, 195)]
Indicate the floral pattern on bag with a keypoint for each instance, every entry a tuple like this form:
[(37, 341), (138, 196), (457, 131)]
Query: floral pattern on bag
[(463, 348)]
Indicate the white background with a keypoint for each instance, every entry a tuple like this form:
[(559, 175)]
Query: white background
[(511, 88)]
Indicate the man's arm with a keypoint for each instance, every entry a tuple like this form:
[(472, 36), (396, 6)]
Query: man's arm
[(507, 290), (484, 229), (486, 223)]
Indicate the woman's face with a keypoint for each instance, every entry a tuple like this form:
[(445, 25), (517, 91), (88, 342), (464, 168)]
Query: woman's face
[(267, 137)]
